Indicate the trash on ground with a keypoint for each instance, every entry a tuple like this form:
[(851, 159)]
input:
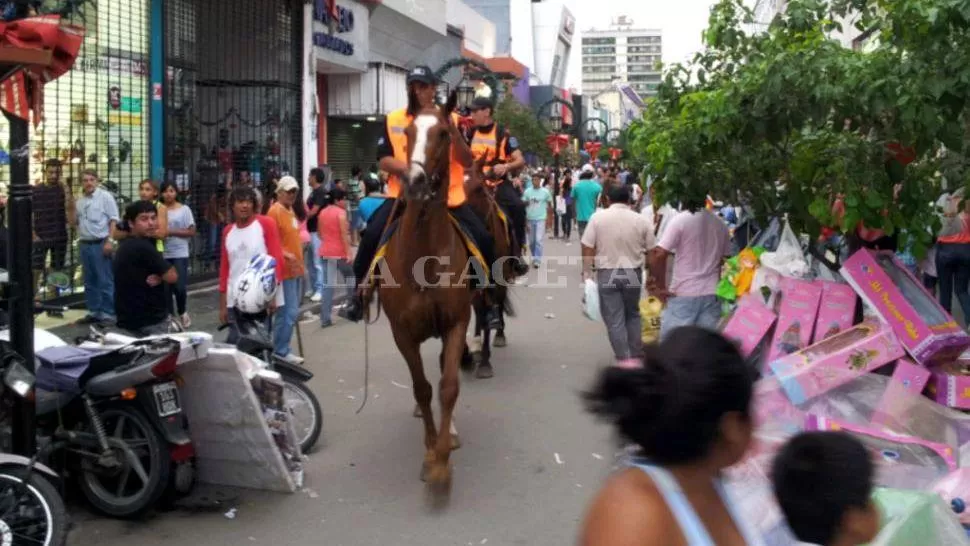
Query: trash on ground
[(558, 459), (550, 315), (231, 514)]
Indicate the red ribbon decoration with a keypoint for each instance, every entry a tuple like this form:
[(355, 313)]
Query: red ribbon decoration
[(903, 154), (43, 50), (593, 148), (557, 142), (615, 153)]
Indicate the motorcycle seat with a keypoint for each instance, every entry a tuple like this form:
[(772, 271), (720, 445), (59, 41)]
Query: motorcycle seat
[(60, 368)]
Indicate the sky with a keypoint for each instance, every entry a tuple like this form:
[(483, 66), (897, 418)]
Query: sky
[(681, 21)]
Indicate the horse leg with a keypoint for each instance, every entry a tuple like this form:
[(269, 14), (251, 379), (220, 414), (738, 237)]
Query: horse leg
[(485, 370), (476, 351), (500, 340), (422, 395), (440, 474)]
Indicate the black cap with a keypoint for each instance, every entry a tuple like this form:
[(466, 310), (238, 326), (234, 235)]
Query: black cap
[(482, 102), (422, 74)]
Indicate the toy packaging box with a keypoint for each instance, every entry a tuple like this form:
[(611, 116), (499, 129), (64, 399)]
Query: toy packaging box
[(950, 385), (892, 447), (836, 309), (905, 385), (836, 360), (796, 317), (929, 333), (749, 324)]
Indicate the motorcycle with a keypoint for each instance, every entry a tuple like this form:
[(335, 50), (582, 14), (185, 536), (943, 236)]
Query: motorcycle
[(113, 416), (300, 402), (31, 509)]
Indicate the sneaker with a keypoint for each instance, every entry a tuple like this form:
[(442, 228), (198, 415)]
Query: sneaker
[(290, 358), (317, 296), (326, 324), (186, 321), (108, 321), (88, 319)]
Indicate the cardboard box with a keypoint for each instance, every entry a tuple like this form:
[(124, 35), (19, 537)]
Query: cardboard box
[(836, 360), (836, 309), (796, 318), (950, 385), (749, 324), (928, 333), (905, 385)]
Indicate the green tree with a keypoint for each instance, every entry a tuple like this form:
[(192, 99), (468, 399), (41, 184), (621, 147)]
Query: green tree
[(785, 120), (522, 123)]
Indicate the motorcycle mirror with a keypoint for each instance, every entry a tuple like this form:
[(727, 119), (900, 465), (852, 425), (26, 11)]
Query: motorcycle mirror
[(18, 378), (59, 279)]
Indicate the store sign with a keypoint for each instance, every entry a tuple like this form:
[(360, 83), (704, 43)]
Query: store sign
[(344, 24), (114, 65), (567, 27)]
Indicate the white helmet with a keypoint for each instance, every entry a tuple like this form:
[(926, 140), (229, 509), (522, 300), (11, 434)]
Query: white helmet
[(257, 286)]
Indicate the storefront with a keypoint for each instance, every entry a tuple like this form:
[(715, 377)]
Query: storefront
[(95, 117), (232, 103)]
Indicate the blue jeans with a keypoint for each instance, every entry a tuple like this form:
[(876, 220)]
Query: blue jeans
[(215, 245), (99, 281), (285, 317), (180, 290), (702, 311), (331, 268), (537, 233), (316, 268)]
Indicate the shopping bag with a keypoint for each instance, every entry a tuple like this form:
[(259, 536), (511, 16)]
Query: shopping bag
[(591, 300), (651, 309)]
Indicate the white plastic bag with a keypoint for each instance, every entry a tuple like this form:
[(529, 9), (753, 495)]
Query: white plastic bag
[(591, 300), (788, 259)]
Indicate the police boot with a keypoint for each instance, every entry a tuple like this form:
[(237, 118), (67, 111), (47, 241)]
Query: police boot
[(354, 310)]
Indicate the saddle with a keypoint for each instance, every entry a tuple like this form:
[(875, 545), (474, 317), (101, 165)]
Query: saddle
[(470, 245)]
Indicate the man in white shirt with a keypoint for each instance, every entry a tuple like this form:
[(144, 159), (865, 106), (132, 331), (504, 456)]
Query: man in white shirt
[(617, 240), (699, 241)]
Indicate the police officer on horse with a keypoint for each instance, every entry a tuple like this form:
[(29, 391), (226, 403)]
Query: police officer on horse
[(500, 150)]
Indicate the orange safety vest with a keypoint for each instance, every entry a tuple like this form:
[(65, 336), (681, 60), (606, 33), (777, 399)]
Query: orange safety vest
[(491, 147), (397, 124)]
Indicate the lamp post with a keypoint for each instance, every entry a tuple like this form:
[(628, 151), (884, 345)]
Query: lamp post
[(556, 142)]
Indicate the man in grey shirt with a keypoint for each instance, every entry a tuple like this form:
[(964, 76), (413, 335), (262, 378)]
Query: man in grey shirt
[(96, 217)]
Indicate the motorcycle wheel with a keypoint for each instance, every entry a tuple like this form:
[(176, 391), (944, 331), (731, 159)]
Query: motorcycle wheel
[(143, 478), (32, 509), (304, 409)]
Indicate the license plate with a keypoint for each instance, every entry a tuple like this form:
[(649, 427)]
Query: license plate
[(167, 399)]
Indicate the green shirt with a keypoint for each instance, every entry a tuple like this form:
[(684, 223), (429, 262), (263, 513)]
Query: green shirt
[(537, 203), (585, 194)]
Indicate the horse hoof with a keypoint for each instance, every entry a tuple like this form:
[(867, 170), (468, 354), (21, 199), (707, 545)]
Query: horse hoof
[(467, 363), (439, 478), (455, 442), (417, 411), (499, 341), (477, 359), (484, 371)]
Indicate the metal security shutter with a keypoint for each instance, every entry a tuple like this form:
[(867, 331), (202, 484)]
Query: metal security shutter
[(349, 143), (96, 116), (232, 102)]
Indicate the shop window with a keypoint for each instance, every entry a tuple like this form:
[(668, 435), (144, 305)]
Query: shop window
[(95, 117)]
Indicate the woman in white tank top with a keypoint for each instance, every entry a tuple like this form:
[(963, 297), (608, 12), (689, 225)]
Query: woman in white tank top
[(687, 409)]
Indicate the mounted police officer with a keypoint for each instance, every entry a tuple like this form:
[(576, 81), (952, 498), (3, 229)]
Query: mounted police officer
[(502, 156)]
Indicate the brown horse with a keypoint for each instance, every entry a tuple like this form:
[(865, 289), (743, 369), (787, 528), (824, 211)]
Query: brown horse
[(484, 204), (428, 294)]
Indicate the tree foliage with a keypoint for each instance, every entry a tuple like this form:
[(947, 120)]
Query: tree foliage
[(785, 119), (523, 125)]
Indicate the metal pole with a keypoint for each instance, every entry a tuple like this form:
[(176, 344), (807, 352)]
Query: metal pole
[(19, 252), (556, 191)]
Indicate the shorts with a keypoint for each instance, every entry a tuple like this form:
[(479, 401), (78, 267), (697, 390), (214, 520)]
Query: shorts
[(356, 220)]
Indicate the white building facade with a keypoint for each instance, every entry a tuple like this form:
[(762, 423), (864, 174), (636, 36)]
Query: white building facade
[(554, 28), (621, 53)]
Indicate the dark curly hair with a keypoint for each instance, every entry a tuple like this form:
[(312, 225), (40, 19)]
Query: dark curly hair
[(672, 406)]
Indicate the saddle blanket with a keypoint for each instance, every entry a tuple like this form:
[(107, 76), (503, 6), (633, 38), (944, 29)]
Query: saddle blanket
[(466, 237)]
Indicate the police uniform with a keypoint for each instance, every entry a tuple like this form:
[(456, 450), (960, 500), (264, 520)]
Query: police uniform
[(394, 144), (494, 143)]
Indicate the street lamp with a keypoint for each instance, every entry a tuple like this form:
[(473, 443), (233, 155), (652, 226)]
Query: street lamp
[(466, 93), (556, 123), (556, 141)]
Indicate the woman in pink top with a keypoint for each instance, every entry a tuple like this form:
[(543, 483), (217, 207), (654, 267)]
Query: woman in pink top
[(335, 251)]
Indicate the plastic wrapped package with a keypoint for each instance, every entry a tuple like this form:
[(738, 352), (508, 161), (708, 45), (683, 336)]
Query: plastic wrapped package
[(955, 490), (788, 258), (591, 300)]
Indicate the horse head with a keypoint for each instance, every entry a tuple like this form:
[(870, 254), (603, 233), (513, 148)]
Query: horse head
[(429, 149)]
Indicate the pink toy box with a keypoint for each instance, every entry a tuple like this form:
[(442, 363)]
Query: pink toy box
[(796, 318), (929, 333), (892, 447), (749, 324), (836, 309), (905, 385), (836, 360), (950, 385)]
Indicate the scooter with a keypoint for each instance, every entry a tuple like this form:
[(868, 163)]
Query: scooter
[(302, 404), (31, 509)]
